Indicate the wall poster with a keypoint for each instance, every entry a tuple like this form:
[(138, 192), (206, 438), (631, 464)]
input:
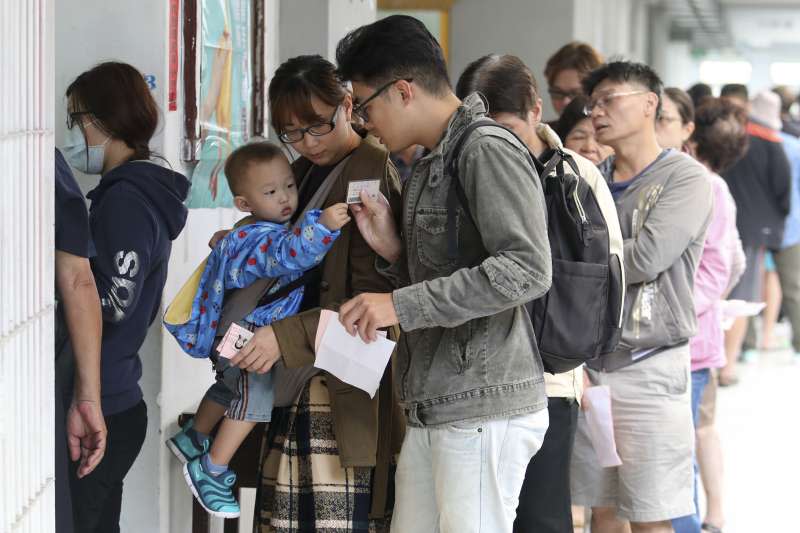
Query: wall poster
[(221, 119)]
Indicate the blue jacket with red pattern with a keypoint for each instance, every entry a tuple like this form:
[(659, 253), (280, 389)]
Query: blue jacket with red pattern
[(259, 250)]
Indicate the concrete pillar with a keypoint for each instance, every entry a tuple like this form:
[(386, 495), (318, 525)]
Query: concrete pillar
[(659, 40), (312, 17), (530, 29), (535, 29), (316, 26)]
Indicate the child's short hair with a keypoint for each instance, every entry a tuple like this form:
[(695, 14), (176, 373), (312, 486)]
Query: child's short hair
[(237, 163)]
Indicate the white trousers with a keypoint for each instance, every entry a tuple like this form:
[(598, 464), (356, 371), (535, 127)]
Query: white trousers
[(464, 478)]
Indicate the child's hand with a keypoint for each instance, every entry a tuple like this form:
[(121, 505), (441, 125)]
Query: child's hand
[(335, 217)]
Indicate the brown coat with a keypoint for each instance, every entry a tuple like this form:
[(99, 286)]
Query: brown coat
[(368, 431)]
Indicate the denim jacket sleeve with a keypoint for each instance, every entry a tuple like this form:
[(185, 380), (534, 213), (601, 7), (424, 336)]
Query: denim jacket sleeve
[(498, 178)]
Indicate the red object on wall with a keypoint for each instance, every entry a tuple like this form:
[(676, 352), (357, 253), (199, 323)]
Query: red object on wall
[(174, 18)]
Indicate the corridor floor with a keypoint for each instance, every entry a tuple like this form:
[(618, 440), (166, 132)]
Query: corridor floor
[(759, 425)]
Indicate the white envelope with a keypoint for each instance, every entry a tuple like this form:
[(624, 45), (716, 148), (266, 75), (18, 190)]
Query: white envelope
[(349, 358), (601, 425), (733, 309)]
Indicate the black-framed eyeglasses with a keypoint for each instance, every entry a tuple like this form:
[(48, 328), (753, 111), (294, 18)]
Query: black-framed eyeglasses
[(557, 93), (317, 130), (74, 118), (361, 109)]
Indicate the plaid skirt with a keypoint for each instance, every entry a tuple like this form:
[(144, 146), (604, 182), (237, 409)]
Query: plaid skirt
[(303, 485)]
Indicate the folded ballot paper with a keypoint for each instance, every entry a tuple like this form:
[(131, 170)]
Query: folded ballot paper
[(601, 425), (733, 309), (349, 358)]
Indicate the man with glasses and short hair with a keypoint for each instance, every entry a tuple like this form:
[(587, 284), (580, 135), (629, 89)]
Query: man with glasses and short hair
[(664, 201), (566, 69), (469, 374)]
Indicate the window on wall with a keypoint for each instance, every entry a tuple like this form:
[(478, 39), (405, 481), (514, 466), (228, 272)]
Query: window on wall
[(717, 73), (785, 73), (433, 14)]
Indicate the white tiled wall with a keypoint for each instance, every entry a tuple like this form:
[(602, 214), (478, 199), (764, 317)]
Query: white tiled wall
[(26, 266)]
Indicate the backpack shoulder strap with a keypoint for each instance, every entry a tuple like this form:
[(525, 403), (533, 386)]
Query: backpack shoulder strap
[(556, 162), (308, 276), (455, 153), (573, 165), (455, 194)]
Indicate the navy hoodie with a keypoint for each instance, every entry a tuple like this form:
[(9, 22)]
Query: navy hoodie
[(136, 212)]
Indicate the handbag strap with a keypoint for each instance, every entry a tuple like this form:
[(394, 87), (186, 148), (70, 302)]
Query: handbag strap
[(322, 192)]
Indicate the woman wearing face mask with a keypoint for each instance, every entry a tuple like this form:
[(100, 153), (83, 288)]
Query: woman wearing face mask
[(344, 444), (136, 211), (578, 133)]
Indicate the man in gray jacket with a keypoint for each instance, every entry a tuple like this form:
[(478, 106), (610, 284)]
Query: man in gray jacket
[(468, 371), (664, 205)]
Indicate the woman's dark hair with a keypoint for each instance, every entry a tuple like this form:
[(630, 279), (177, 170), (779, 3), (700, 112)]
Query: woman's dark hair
[(394, 48), (571, 116), (720, 133), (699, 92), (120, 100), (788, 98), (507, 83), (576, 55), (296, 82), (683, 102), (622, 72)]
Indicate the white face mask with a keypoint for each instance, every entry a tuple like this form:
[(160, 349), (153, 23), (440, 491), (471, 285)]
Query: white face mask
[(88, 160)]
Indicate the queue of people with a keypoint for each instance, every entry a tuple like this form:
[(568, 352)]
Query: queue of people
[(471, 428)]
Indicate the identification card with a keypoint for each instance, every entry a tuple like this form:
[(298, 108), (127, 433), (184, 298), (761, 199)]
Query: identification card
[(354, 188), (234, 340)]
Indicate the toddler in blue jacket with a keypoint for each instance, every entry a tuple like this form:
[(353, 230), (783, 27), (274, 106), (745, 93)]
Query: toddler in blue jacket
[(263, 184)]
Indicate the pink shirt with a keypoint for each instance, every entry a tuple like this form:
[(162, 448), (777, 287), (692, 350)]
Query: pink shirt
[(712, 278)]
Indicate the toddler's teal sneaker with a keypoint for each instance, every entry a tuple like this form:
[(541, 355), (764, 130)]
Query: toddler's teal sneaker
[(214, 493), (184, 446)]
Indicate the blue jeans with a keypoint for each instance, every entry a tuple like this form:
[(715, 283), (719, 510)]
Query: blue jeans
[(692, 523), (247, 395)]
